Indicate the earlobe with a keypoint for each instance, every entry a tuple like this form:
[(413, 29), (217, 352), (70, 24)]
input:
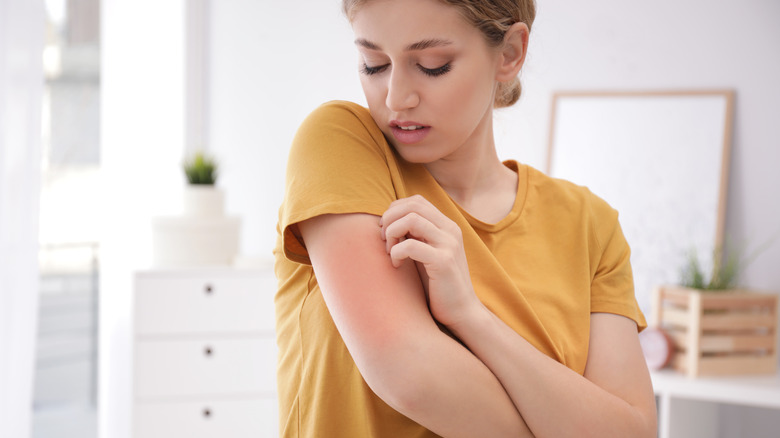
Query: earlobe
[(513, 52)]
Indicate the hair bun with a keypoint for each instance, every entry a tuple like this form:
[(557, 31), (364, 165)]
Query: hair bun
[(507, 93)]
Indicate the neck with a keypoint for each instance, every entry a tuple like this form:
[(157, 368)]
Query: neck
[(468, 175), (486, 191), (474, 169)]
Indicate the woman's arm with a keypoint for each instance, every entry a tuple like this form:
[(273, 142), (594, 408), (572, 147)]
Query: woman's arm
[(382, 315), (613, 399)]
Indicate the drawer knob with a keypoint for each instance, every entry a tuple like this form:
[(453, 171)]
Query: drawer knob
[(206, 413), (208, 351), (208, 289)]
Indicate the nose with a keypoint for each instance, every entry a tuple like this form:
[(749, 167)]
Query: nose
[(401, 92)]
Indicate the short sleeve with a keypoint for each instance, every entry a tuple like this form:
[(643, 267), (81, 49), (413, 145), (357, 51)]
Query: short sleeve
[(612, 288), (338, 163)]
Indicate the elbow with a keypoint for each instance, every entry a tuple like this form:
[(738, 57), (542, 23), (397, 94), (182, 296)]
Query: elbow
[(399, 383), (398, 375), (400, 397), (407, 395)]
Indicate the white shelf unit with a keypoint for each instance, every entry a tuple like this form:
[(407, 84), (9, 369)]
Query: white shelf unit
[(204, 360), (688, 407)]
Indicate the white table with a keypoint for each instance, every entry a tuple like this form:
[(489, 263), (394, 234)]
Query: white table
[(687, 406)]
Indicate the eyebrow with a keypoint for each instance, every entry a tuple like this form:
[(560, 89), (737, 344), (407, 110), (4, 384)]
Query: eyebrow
[(419, 45)]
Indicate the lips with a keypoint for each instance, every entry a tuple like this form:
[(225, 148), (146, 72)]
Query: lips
[(409, 132)]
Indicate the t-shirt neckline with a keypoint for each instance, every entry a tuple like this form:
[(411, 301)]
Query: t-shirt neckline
[(523, 182)]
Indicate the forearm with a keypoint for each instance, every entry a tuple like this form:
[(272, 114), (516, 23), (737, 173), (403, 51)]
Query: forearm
[(441, 385), (554, 400)]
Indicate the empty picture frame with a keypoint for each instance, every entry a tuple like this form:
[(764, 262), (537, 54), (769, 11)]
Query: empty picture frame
[(661, 159)]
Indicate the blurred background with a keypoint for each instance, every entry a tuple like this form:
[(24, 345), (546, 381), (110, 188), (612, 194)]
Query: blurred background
[(101, 99)]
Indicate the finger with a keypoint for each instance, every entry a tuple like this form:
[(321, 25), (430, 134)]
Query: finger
[(412, 249), (416, 204), (417, 227)]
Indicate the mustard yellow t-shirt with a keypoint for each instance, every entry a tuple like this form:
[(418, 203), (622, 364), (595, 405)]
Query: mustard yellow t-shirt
[(558, 256)]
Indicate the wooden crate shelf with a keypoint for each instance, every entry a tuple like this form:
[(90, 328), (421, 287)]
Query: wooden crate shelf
[(719, 333)]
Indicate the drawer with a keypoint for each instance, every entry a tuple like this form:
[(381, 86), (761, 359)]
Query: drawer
[(207, 419), (204, 303), (204, 367)]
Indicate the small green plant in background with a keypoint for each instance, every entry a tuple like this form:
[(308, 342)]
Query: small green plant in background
[(725, 271), (200, 169)]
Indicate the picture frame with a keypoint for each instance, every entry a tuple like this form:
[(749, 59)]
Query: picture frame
[(661, 159)]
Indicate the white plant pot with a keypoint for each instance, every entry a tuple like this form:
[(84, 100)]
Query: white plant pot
[(202, 200), (195, 242), (202, 236)]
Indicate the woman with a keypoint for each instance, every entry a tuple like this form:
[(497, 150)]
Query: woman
[(425, 287)]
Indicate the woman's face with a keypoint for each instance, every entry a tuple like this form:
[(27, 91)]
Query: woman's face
[(428, 76)]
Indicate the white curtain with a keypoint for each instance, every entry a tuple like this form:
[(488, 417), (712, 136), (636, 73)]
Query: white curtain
[(21, 89)]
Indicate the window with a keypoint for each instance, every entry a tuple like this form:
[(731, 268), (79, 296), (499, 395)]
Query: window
[(66, 357)]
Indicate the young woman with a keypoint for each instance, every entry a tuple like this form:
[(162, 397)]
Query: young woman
[(425, 287)]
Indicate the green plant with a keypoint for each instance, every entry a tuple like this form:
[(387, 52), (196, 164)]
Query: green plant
[(724, 271), (200, 169)]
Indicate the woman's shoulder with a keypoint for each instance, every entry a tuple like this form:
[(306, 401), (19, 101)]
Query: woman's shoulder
[(339, 122), (340, 113), (568, 195), (335, 137)]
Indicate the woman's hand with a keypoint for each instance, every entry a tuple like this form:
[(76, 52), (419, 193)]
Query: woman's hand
[(415, 229)]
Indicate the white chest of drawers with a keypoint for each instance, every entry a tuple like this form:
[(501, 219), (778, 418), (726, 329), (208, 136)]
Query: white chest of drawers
[(204, 360)]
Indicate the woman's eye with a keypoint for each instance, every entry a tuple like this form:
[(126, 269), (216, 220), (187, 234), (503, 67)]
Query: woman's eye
[(433, 72), (366, 70)]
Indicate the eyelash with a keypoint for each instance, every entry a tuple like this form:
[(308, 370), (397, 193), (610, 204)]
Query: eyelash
[(432, 72), (366, 70)]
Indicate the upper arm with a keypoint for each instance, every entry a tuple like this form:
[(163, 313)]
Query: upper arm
[(375, 306), (616, 363)]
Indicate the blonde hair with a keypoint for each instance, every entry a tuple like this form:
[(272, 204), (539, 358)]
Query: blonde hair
[(493, 18)]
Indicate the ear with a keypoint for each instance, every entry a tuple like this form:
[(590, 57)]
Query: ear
[(512, 55)]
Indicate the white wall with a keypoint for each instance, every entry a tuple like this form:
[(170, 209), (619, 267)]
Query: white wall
[(142, 144), (271, 64)]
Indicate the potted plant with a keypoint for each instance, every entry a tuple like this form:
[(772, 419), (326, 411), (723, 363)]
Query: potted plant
[(722, 278), (200, 169), (202, 235), (201, 196), (716, 327)]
